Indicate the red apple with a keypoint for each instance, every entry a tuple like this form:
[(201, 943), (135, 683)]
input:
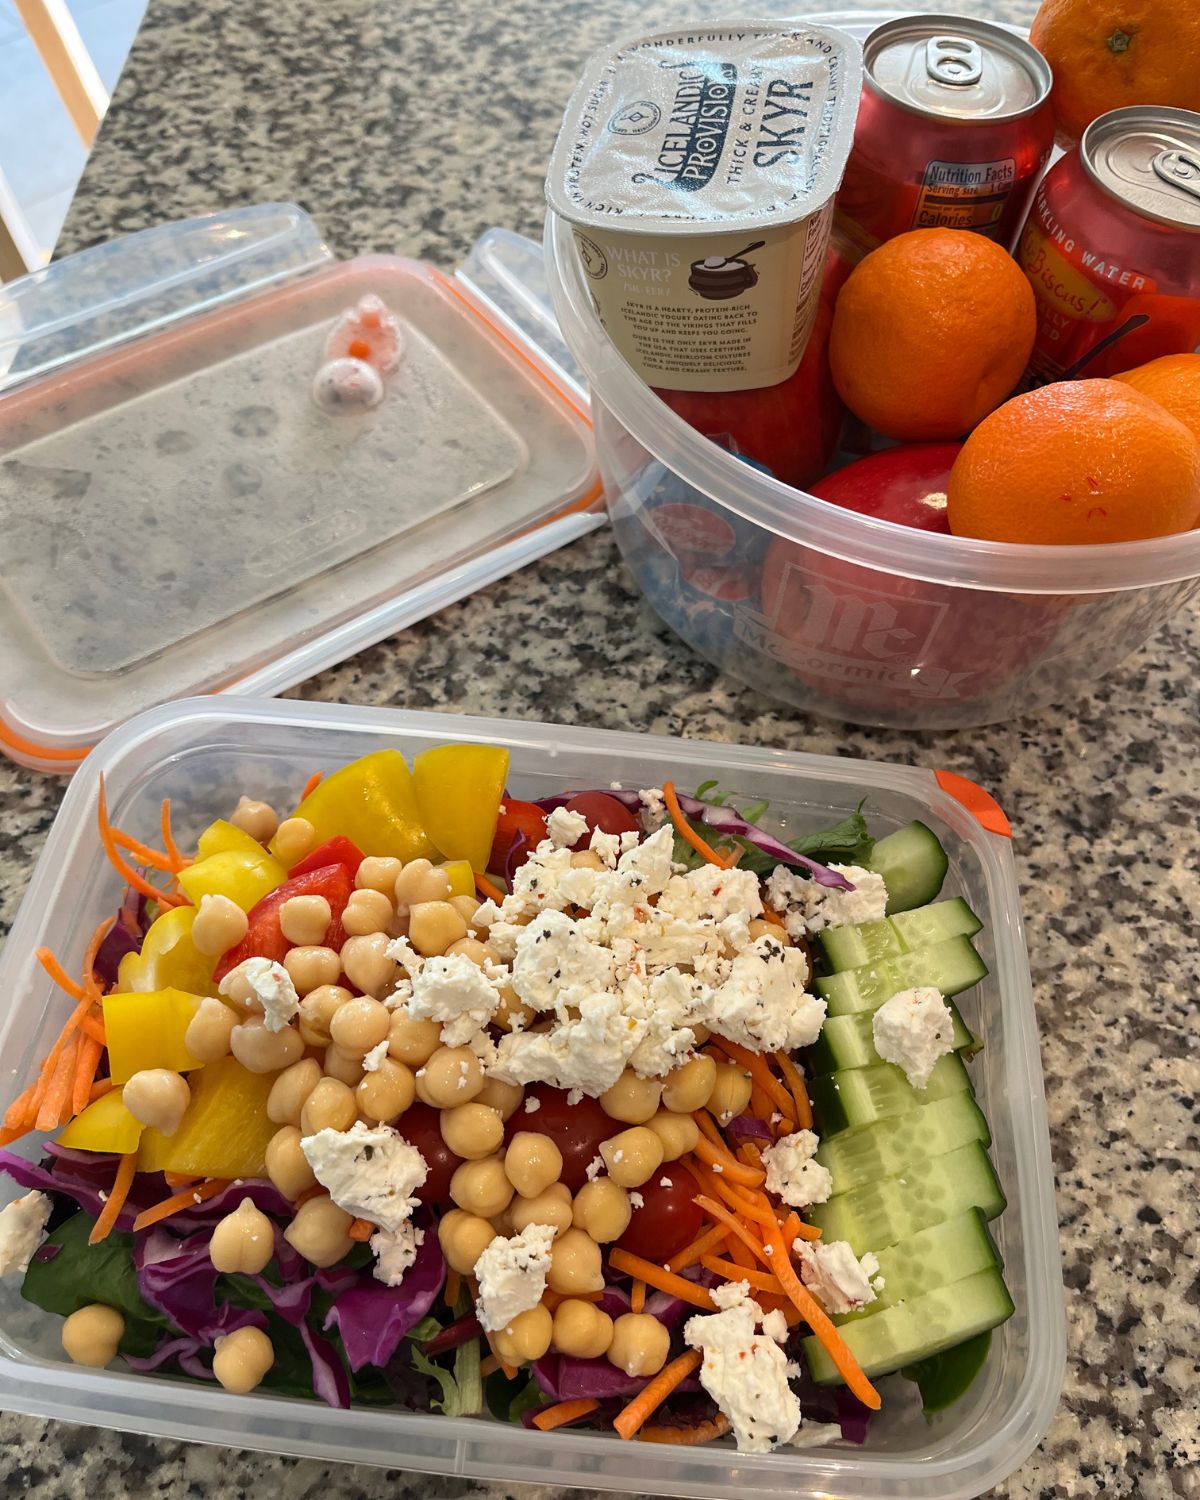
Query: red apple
[(905, 485)]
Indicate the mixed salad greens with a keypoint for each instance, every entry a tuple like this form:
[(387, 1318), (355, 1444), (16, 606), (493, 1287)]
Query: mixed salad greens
[(608, 1110)]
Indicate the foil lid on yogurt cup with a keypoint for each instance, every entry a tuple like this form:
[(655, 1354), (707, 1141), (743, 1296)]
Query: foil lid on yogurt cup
[(738, 126)]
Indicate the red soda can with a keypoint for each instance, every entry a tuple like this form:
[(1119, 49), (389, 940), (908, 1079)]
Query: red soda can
[(953, 129), (1112, 247)]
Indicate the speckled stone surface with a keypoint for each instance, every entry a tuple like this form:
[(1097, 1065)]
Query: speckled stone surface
[(411, 127)]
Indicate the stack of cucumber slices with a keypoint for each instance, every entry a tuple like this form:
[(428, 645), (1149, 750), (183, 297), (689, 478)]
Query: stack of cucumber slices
[(912, 1181)]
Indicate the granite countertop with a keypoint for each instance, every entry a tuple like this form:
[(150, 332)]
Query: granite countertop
[(412, 127)]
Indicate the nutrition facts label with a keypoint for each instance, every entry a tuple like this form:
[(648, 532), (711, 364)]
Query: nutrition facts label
[(964, 195)]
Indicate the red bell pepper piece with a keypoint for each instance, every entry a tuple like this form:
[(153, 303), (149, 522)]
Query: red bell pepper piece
[(335, 851), (264, 936)]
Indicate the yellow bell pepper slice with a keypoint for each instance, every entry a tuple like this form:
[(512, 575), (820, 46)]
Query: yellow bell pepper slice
[(225, 1130), (169, 959), (371, 802), (459, 788), (223, 837), (105, 1125), (460, 875), (244, 878), (147, 1031)]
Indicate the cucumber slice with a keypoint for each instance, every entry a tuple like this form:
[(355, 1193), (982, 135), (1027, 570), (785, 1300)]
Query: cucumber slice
[(951, 967), (928, 1192), (888, 1147), (861, 943), (946, 1378), (860, 1096), (919, 1328), (849, 1042), (931, 1258), (913, 865)]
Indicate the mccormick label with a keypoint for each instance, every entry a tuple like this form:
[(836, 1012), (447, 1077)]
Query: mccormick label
[(698, 169)]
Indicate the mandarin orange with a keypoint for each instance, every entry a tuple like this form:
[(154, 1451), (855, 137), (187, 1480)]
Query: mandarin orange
[(1174, 382)]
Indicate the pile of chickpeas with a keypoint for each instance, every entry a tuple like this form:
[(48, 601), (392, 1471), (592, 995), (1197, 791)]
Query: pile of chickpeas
[(325, 1080)]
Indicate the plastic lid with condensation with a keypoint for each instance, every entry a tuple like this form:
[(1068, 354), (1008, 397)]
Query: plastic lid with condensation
[(181, 516)]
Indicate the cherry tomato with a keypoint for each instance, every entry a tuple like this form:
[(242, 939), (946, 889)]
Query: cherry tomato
[(420, 1128), (603, 812), (667, 1220), (515, 817), (576, 1129)]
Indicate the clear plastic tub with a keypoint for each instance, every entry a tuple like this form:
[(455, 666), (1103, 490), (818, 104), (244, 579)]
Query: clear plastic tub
[(831, 611), (198, 751)]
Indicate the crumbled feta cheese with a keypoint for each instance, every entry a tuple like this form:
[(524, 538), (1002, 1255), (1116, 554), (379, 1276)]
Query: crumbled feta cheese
[(532, 1105), (654, 808), (22, 1225), (370, 1170), (512, 1275), (730, 1294), (556, 966), (587, 1053), (808, 907), (271, 989), (458, 993), (774, 1325), (594, 1168), (666, 1182), (395, 1250), (573, 1097), (745, 1372), (763, 1004), (835, 1275), (564, 829), (636, 1200), (793, 1175), (373, 1061), (913, 1029)]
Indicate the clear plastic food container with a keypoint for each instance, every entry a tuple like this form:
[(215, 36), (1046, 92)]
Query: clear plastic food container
[(201, 752), (834, 612)]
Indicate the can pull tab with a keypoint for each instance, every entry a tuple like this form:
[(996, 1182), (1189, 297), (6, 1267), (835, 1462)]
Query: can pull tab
[(1178, 169), (953, 59)]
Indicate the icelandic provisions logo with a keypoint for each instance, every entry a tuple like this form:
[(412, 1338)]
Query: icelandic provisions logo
[(636, 118), (694, 135)]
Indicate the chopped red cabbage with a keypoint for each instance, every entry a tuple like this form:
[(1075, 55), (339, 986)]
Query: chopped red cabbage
[(373, 1318)]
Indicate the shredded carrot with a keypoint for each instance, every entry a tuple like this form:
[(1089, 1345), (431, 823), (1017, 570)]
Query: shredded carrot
[(94, 1027), (59, 974), (551, 1417), (55, 1103), (737, 1252), (488, 1366), (487, 890), (17, 1112), (310, 786), (179, 1180), (637, 1297), (730, 1167), (814, 1315), (116, 1199), (664, 1281), (551, 1299), (452, 1288), (361, 1230), (122, 865), (99, 933), (99, 1088), (655, 1392), (87, 1060), (763, 1280), (719, 1211), (795, 1082), (178, 861), (751, 1155), (686, 832), (757, 1209), (188, 1198), (789, 1227), (756, 1065), (510, 1372), (687, 1437), (143, 852), (310, 1192), (769, 914), (760, 1104), (711, 1239)]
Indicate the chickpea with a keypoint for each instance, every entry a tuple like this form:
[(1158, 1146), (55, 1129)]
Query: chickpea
[(760, 929), (463, 1238), (243, 1241), (466, 907), (481, 1187), (218, 925), (689, 1087), (526, 1337), (631, 1099), (603, 1209), (343, 1067), (366, 912), (533, 1162), (512, 1014), (452, 1076), (420, 881), (242, 1358), (632, 1157), (677, 1133), (291, 1089), (471, 1130), (731, 1092), (91, 1335), (469, 947), (504, 1097), (158, 1098), (586, 859), (320, 1231), (378, 873), (207, 1036), (387, 1092), (366, 963), (411, 1041), (581, 1329), (305, 919), (287, 1165), (258, 819), (294, 838), (330, 1106), (311, 966), (238, 990), (359, 1025), (640, 1344), (316, 1012), (552, 1208), (575, 1263), (433, 926), (262, 1051)]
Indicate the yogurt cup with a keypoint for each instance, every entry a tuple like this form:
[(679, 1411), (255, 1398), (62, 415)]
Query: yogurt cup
[(697, 169)]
